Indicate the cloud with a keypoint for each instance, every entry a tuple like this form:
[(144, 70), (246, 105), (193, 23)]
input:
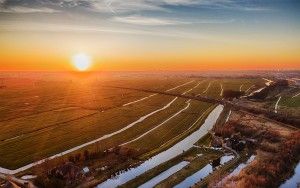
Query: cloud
[(128, 6), (20, 9), (149, 21), (59, 28), (154, 21), (120, 6), (27, 6)]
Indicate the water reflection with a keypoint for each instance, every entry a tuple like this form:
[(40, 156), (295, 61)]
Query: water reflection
[(241, 166), (164, 156), (164, 175), (294, 181), (236, 171), (204, 172), (196, 177)]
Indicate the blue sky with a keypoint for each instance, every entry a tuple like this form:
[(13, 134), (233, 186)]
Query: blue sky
[(157, 12)]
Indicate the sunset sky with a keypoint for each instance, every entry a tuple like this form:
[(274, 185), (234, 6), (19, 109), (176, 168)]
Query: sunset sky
[(141, 35)]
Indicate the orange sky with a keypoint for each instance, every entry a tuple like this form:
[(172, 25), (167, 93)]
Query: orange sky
[(148, 36), (27, 56)]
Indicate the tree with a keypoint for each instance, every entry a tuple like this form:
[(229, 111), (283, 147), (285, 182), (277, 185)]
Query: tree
[(233, 94), (71, 159), (77, 157), (86, 155)]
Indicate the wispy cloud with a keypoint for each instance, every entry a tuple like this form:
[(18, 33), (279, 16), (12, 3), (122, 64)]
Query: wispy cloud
[(155, 21), (59, 28), (20, 9), (141, 20), (120, 6)]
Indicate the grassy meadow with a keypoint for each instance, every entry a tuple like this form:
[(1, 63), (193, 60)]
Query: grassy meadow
[(41, 117)]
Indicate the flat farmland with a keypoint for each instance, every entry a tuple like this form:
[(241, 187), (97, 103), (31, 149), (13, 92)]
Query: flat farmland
[(62, 118), (41, 118), (34, 96)]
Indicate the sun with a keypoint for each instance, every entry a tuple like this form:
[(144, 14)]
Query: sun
[(81, 61)]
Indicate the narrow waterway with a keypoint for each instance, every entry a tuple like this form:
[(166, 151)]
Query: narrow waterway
[(165, 121), (164, 156), (241, 166), (164, 175), (268, 83), (236, 171), (203, 173), (228, 116), (144, 98), (256, 91), (222, 90), (294, 181), (8, 171), (276, 105), (139, 100), (180, 85), (198, 176), (207, 88), (241, 87), (296, 95), (249, 88), (159, 125)]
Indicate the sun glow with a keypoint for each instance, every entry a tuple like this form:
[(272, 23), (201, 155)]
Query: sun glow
[(81, 61)]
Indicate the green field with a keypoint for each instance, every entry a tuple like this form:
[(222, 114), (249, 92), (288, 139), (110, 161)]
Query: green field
[(42, 118)]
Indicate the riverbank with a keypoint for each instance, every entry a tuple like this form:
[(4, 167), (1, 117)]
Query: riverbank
[(183, 145), (276, 147)]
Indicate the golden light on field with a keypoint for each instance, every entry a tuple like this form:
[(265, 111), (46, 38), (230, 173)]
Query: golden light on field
[(81, 61)]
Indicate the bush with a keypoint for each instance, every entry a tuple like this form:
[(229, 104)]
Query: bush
[(86, 155), (71, 159), (77, 157), (226, 131), (233, 94), (45, 182)]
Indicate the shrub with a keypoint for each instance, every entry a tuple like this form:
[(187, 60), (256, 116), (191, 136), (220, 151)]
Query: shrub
[(86, 155), (44, 182), (77, 157), (233, 94)]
